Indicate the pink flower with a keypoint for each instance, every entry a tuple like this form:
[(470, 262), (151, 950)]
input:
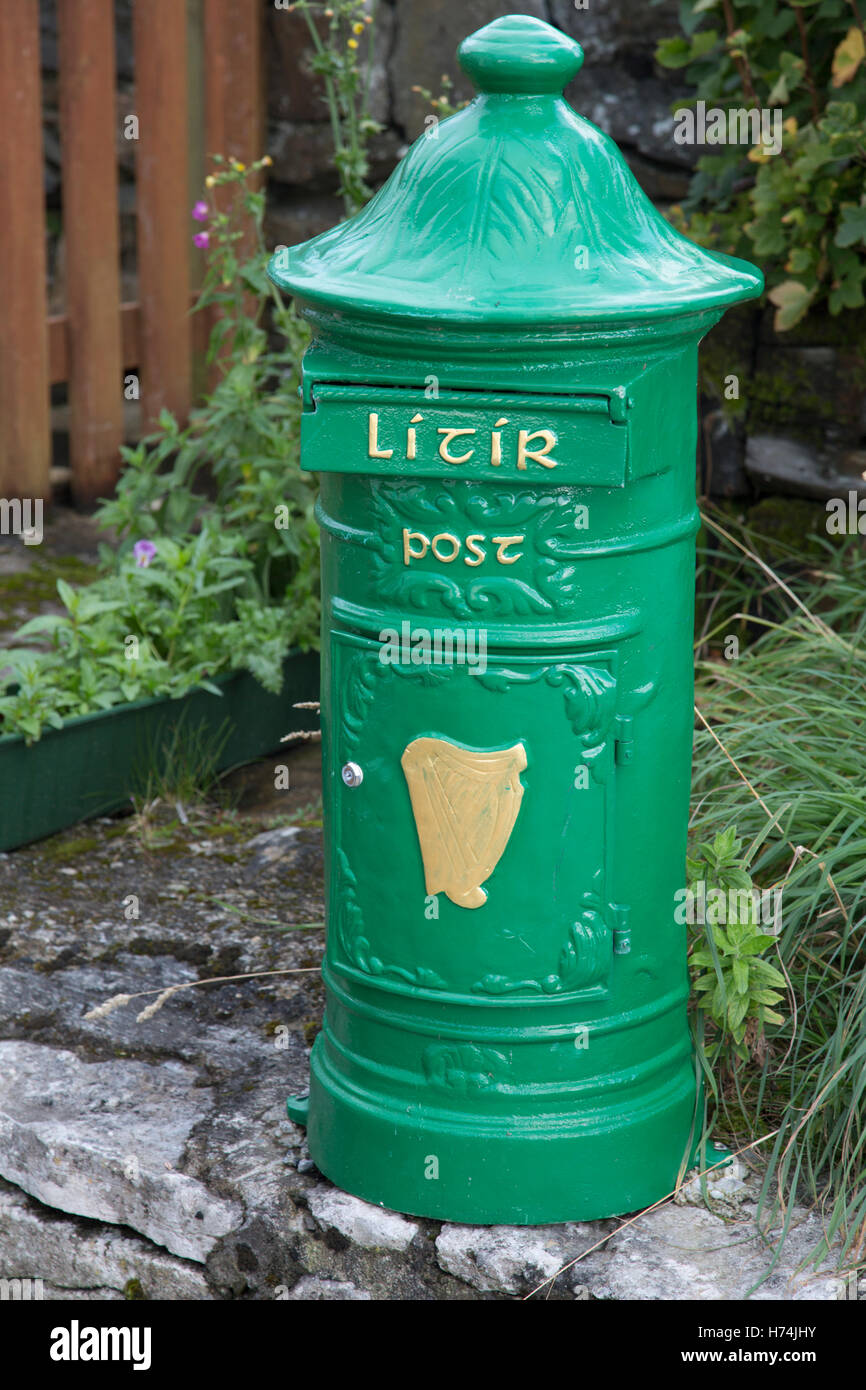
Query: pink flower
[(200, 211), (144, 552), (201, 239)]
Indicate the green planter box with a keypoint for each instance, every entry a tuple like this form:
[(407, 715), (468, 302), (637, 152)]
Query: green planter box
[(94, 764)]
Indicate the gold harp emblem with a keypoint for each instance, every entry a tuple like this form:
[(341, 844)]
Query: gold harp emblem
[(465, 802)]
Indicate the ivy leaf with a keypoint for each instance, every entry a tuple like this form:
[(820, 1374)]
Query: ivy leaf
[(780, 92), (848, 56), (852, 227), (703, 42), (792, 302), (674, 53)]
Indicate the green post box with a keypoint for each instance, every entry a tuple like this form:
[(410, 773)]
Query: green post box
[(499, 399)]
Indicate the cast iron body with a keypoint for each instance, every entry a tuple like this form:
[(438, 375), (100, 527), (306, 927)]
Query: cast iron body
[(500, 401)]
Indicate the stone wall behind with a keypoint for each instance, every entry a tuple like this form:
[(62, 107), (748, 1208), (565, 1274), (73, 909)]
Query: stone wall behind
[(620, 88)]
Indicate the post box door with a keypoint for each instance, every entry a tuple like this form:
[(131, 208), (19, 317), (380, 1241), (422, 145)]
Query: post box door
[(472, 855)]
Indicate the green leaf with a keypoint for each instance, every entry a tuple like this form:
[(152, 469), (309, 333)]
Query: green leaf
[(703, 42), (738, 1008), (771, 1016), (68, 596), (792, 300), (673, 53), (852, 227)]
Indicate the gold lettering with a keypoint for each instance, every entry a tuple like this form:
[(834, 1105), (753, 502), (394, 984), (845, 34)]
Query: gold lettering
[(537, 455), (443, 447), (478, 551), (496, 443), (503, 542), (408, 552), (373, 450), (411, 436), (446, 536)]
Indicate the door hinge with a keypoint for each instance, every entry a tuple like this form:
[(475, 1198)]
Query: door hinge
[(622, 930), (623, 739)]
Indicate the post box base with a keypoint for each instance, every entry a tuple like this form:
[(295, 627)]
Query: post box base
[(507, 1171)]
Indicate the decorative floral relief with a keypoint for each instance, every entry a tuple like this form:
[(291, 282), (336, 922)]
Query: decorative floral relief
[(584, 961), (357, 946), (546, 514), (589, 691), (590, 699), (464, 1068), (365, 673)]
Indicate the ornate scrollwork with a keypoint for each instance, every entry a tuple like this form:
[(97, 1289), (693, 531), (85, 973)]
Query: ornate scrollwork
[(590, 700), (365, 672), (584, 960), (547, 514), (356, 945), (464, 1068)]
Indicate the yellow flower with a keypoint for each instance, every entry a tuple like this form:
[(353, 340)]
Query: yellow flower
[(238, 165), (357, 28), (267, 161), (209, 181), (353, 43)]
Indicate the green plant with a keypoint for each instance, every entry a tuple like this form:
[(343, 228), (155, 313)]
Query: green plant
[(236, 462), (216, 565), (777, 752), (443, 105), (181, 767), (801, 212), (739, 986), (229, 579), (338, 30), (193, 613)]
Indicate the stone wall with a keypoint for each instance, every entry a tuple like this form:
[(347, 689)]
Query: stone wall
[(619, 88)]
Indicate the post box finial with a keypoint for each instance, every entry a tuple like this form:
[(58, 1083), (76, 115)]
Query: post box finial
[(520, 55)]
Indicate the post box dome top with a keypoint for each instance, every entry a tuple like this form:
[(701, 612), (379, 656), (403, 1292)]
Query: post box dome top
[(515, 211)]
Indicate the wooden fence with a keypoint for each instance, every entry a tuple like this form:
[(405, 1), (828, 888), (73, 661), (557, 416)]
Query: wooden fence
[(199, 88)]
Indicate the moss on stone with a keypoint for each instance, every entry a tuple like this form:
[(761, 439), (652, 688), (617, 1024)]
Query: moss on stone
[(60, 850), (26, 592), (789, 523)]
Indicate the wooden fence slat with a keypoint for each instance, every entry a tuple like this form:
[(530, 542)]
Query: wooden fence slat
[(130, 338), (234, 80), (162, 206), (25, 433), (234, 123), (90, 229)]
